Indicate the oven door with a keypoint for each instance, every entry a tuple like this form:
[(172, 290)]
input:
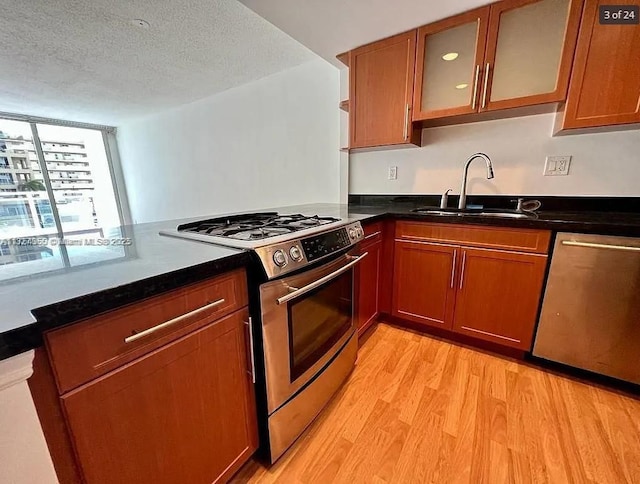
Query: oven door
[(306, 319)]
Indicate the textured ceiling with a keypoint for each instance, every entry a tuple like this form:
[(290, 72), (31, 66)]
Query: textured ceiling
[(330, 27), (83, 60)]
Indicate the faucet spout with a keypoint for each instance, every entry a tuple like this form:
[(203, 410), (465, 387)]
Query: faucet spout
[(463, 190)]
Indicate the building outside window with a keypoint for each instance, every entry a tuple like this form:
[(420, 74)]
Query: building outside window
[(56, 182)]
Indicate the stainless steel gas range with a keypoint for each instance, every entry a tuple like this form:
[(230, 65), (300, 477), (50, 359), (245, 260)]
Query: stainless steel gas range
[(304, 328)]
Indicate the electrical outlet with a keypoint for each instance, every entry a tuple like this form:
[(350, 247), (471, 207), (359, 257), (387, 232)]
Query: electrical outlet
[(393, 173), (557, 165)]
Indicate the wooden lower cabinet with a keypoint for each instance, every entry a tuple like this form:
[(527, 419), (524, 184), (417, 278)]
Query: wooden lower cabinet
[(498, 296), (423, 283), (183, 413), (486, 293), (368, 284)]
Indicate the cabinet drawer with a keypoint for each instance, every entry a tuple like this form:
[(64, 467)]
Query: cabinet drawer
[(95, 346), (521, 240), (372, 233)]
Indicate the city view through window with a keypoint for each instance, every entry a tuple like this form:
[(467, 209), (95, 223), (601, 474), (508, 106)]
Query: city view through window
[(62, 191)]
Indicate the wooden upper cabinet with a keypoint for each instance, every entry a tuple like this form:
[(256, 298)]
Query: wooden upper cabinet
[(605, 83), (529, 52), (381, 93), (450, 55)]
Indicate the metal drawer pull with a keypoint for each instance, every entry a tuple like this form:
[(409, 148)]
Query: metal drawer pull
[(146, 332), (486, 84), (464, 262), (453, 267), (253, 357), (372, 235), (475, 87), (321, 281), (405, 132), (591, 245)]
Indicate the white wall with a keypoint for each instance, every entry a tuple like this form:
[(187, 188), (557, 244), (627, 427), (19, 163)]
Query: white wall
[(603, 164), (267, 143)]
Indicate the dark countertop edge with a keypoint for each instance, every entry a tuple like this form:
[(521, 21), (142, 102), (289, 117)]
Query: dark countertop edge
[(25, 338), (556, 224)]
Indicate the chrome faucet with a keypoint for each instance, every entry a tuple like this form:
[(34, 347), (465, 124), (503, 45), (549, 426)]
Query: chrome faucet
[(463, 190)]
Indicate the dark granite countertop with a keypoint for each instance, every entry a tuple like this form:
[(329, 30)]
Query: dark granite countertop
[(95, 279), (559, 218)]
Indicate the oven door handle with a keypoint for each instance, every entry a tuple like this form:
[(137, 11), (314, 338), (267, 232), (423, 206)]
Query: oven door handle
[(309, 287)]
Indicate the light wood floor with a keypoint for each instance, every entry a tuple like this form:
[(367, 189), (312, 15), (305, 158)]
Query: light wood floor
[(418, 409)]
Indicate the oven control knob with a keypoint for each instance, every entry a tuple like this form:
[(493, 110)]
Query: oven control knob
[(352, 233), (295, 253), (280, 258), (360, 232)]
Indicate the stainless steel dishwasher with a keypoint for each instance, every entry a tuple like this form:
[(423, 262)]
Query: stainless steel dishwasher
[(590, 315)]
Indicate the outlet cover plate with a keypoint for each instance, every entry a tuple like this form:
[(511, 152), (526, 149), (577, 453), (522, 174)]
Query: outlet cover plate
[(557, 165), (393, 173)]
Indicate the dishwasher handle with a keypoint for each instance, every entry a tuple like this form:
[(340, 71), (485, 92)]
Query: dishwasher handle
[(593, 245)]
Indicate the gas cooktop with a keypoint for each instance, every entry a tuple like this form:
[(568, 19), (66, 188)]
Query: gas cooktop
[(255, 226), (283, 243)]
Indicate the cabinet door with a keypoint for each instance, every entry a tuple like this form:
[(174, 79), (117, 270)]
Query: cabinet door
[(605, 83), (423, 283), (381, 92), (529, 52), (449, 64), (368, 286), (183, 413), (498, 296)]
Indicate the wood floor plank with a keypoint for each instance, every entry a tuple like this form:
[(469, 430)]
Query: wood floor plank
[(420, 409)]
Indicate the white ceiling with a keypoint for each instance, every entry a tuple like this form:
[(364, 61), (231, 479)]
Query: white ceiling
[(83, 60), (330, 27)]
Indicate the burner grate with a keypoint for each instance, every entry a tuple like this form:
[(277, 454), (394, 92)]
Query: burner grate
[(256, 226)]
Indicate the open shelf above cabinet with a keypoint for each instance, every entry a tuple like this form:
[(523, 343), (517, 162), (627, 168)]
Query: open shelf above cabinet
[(344, 58)]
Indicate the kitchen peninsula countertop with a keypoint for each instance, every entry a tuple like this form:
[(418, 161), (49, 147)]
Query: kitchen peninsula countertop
[(94, 279)]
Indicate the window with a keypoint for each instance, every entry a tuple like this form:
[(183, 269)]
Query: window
[(43, 198)]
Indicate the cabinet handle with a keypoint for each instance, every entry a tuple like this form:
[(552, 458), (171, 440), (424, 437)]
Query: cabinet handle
[(464, 262), (146, 332), (406, 121), (453, 267), (486, 84), (474, 101), (372, 235), (251, 353)]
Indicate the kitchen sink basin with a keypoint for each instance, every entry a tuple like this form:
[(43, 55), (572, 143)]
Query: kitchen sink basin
[(501, 214), (486, 212)]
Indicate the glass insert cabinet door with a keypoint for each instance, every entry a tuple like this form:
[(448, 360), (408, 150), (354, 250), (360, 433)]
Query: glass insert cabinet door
[(529, 52), (510, 54), (450, 55)]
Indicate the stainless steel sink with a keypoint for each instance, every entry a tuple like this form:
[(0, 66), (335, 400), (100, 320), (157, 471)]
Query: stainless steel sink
[(498, 213), (501, 214), (436, 211)]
